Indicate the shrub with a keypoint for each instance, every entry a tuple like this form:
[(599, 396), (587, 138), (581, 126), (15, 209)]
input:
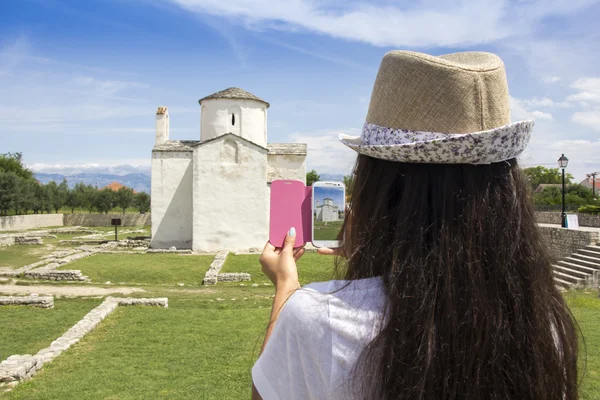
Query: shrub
[(589, 209)]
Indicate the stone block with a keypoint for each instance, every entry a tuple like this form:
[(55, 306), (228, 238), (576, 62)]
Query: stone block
[(37, 301), (6, 241), (28, 240), (234, 277)]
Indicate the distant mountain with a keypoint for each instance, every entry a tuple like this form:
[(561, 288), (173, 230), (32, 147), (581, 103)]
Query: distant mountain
[(75, 169), (139, 182)]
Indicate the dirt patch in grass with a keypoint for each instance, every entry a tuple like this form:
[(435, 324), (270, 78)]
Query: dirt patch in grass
[(67, 291)]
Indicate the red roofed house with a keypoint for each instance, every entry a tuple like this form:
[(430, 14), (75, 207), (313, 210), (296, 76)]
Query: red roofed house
[(115, 186)]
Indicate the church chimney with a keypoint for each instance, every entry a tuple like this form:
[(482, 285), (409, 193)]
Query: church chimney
[(162, 125)]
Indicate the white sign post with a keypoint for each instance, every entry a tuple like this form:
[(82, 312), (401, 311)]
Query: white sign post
[(572, 221)]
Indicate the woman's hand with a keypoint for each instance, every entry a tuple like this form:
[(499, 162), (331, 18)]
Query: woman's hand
[(326, 251), (279, 264)]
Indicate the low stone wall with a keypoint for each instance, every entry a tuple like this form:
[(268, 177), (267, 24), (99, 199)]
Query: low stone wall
[(234, 277), (54, 275), (166, 251), (564, 242), (41, 302), (553, 217), (6, 241), (104, 219), (211, 276), (21, 222), (28, 240)]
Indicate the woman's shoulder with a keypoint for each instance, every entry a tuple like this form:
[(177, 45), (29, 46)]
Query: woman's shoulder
[(335, 286), (314, 301)]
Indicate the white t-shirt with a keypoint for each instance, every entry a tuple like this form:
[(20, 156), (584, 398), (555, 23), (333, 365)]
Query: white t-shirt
[(317, 338)]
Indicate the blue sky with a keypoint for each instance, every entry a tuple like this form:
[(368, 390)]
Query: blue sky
[(81, 80), (336, 195)]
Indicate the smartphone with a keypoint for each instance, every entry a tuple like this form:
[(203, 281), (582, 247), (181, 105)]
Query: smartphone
[(290, 207), (328, 212)]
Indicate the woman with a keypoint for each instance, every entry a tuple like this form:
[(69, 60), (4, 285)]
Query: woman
[(448, 290)]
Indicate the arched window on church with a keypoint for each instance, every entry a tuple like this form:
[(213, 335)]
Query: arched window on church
[(235, 120), (230, 152)]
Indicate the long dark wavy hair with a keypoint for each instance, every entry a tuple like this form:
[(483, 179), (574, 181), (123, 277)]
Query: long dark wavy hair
[(472, 309)]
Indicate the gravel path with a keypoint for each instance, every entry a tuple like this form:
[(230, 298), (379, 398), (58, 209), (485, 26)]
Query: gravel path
[(67, 290)]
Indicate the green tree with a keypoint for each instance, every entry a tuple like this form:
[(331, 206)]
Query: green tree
[(9, 189), (72, 200), (539, 175), (349, 183), (142, 202), (89, 197), (13, 162), (124, 198), (312, 177), (40, 198), (575, 196), (60, 197), (104, 200), (53, 196), (26, 197), (46, 194)]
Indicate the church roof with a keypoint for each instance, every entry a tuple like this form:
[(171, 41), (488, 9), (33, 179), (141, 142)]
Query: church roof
[(237, 137), (272, 148), (287, 148), (177, 145), (234, 93)]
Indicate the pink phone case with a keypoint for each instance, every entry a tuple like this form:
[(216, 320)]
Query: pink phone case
[(290, 207)]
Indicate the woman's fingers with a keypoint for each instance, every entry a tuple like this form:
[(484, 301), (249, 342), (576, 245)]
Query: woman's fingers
[(268, 247), (298, 254), (328, 252)]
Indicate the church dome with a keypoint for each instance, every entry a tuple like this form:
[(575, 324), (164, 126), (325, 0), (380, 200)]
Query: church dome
[(233, 93)]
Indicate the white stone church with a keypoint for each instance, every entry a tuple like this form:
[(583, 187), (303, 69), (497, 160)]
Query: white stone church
[(327, 211), (213, 194)]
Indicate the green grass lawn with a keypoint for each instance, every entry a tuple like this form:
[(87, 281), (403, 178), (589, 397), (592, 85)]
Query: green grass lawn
[(586, 309), (195, 349), (312, 267), (28, 329), (144, 269), (204, 344), (18, 256), (327, 230)]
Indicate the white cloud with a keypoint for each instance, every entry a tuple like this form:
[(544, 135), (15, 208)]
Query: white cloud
[(589, 84), (589, 91), (589, 88), (540, 102), (541, 115), (520, 110), (421, 23), (49, 96), (105, 87), (545, 102), (102, 167), (584, 96), (326, 154), (590, 119), (581, 151), (552, 79)]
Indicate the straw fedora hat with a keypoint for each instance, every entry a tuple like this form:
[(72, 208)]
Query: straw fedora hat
[(451, 109)]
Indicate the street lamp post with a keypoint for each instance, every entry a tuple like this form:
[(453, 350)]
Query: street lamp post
[(562, 163)]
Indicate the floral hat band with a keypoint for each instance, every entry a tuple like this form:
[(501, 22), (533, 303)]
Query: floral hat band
[(485, 147), (448, 109)]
